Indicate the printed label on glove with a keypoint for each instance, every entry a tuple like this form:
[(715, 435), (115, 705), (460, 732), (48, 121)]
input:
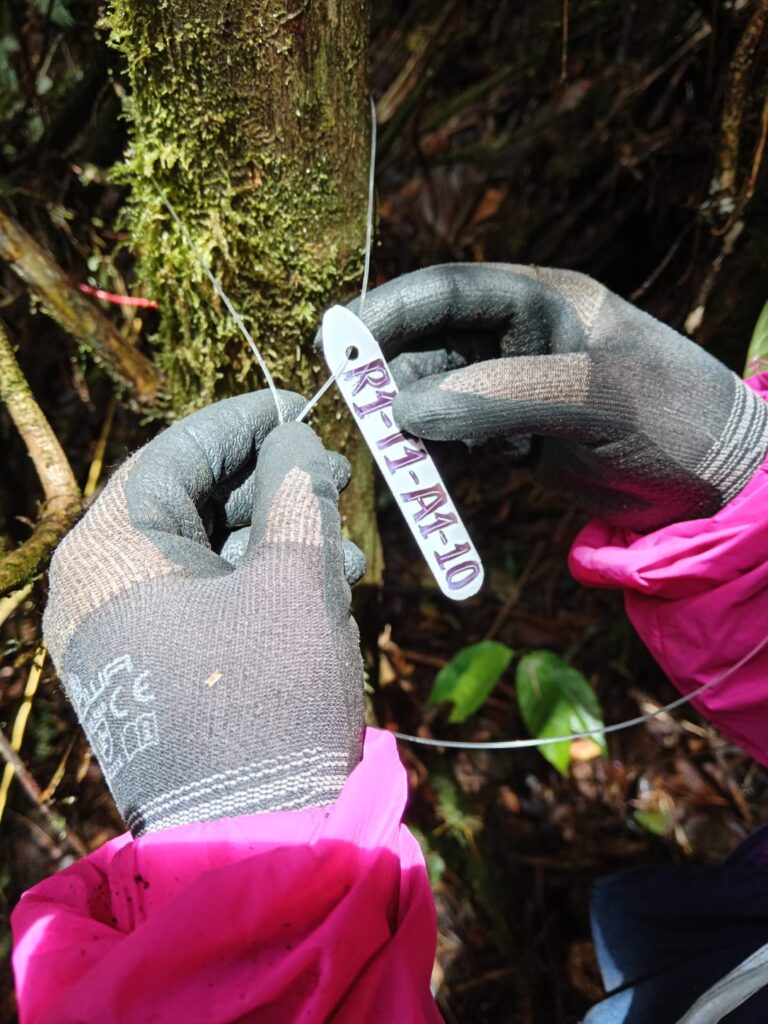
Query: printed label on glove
[(116, 709), (367, 387)]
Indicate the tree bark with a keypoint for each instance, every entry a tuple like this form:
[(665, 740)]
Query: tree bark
[(252, 115)]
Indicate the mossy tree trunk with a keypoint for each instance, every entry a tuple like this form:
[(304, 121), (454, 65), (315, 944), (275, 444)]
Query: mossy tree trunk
[(253, 116)]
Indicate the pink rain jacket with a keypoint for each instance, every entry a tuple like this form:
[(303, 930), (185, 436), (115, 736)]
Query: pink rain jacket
[(326, 914)]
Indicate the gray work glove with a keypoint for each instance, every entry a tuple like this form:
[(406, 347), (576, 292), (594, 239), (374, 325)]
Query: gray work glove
[(208, 689), (630, 420)]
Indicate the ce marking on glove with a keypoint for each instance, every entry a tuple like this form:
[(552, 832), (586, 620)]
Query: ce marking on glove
[(114, 706)]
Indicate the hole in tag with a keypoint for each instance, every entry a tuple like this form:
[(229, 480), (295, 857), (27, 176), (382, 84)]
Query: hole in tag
[(369, 390)]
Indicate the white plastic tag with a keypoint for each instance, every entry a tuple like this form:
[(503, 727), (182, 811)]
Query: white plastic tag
[(367, 387)]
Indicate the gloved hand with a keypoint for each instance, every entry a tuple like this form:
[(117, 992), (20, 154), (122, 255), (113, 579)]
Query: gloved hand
[(631, 420), (209, 690)]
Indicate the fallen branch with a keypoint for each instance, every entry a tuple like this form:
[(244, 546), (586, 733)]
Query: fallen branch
[(62, 495), (727, 204), (76, 313), (28, 783), (30, 557), (9, 604), (414, 68), (20, 724), (739, 90)]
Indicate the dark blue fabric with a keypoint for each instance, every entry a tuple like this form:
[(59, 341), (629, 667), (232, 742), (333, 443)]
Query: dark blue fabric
[(664, 935), (754, 849)]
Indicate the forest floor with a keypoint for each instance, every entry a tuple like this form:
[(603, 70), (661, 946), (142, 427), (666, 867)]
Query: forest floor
[(513, 846), (501, 138)]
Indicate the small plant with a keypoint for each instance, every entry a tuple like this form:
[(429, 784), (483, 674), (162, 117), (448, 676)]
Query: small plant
[(468, 679), (555, 699), (757, 354)]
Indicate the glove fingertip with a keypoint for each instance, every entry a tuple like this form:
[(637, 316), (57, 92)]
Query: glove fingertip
[(354, 562), (410, 367), (295, 490), (424, 411), (341, 469)]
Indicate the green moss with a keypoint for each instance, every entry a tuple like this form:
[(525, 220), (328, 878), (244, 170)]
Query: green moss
[(274, 257), (254, 123), (274, 220)]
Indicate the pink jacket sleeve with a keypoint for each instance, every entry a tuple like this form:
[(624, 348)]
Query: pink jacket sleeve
[(697, 593), (314, 915)]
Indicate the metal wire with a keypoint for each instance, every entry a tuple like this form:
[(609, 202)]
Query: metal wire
[(367, 265), (604, 731), (369, 223), (224, 298)]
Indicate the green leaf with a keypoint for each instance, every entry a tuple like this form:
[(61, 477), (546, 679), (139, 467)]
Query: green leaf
[(467, 679), (57, 11), (555, 699), (757, 355), (435, 864), (654, 822), (451, 806), (43, 84)]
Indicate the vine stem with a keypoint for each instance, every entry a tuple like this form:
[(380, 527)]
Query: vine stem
[(62, 497)]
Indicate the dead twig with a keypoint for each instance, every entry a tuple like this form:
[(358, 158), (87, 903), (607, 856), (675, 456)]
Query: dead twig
[(517, 589), (738, 90), (62, 496), (694, 319), (467, 98), (25, 777), (691, 44), (564, 45), (485, 978), (30, 557), (20, 723), (97, 463), (414, 68), (8, 605), (33, 791), (423, 659), (659, 270), (757, 159), (76, 313), (749, 186), (724, 210), (50, 790)]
